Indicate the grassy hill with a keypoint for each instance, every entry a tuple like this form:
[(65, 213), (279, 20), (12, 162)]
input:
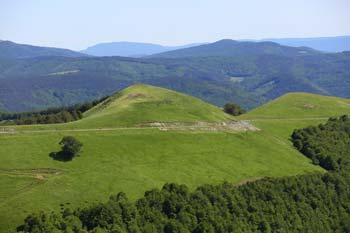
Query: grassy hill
[(133, 160), (301, 105), (142, 103)]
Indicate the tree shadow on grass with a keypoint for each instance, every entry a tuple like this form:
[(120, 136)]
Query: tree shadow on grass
[(61, 156)]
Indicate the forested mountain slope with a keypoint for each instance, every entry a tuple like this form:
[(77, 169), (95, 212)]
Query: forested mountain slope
[(10, 49), (232, 48), (129, 49), (334, 44), (250, 80)]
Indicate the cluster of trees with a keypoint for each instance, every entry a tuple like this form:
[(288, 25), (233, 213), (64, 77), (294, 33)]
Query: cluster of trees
[(49, 116), (308, 203), (327, 145)]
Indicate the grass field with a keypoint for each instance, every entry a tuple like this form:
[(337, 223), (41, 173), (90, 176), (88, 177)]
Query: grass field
[(135, 160), (301, 105)]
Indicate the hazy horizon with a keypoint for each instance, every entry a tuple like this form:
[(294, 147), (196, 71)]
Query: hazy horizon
[(80, 24)]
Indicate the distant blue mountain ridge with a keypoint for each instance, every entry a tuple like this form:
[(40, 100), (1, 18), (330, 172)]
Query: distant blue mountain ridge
[(135, 49), (131, 49), (326, 44)]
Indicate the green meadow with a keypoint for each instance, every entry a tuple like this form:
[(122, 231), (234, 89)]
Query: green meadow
[(133, 160)]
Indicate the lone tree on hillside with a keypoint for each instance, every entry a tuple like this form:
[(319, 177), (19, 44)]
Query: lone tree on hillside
[(233, 109), (70, 148)]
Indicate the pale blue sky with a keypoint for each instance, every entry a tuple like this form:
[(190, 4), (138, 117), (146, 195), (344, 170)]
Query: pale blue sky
[(76, 24)]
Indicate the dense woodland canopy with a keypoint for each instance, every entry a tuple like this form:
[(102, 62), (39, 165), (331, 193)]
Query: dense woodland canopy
[(327, 144), (49, 116), (307, 203)]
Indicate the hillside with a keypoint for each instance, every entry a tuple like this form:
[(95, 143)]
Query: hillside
[(130, 49), (232, 48), (10, 49), (251, 80), (141, 103), (301, 105), (134, 159)]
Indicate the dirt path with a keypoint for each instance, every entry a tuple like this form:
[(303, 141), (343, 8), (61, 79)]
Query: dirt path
[(37, 173), (241, 125)]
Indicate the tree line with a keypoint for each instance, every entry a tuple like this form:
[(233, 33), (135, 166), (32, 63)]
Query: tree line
[(308, 203), (50, 115)]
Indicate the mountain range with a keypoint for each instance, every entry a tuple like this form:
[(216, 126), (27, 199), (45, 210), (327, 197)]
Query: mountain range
[(9, 49), (327, 44), (130, 49), (133, 49), (232, 48), (247, 73)]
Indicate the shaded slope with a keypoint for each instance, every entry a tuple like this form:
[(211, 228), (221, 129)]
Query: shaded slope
[(301, 105)]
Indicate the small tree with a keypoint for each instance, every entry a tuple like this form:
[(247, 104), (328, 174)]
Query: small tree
[(233, 109), (70, 147)]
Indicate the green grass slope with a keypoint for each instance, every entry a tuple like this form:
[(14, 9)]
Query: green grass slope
[(142, 103), (133, 160), (301, 105)]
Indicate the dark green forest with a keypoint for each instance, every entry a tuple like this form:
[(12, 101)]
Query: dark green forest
[(327, 144), (249, 80), (49, 116), (308, 203)]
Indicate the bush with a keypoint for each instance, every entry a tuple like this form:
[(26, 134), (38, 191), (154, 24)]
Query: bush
[(233, 109), (70, 148)]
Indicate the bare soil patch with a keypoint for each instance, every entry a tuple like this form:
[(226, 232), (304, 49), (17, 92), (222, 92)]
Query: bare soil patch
[(242, 125), (138, 95)]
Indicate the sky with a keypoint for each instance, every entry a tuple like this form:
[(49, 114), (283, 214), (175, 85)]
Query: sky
[(77, 24)]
